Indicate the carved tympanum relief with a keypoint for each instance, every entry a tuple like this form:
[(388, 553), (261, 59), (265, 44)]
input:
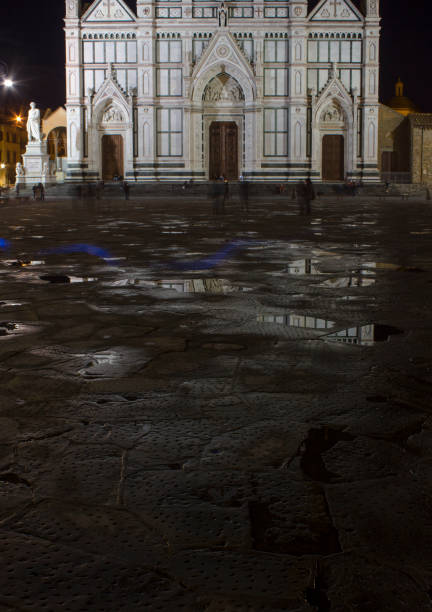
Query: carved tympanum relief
[(112, 115), (223, 88)]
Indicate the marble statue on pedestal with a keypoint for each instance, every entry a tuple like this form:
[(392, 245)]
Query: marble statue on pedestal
[(33, 124)]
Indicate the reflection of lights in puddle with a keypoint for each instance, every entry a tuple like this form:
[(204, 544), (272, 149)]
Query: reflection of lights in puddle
[(10, 330), (23, 262), (100, 363), (5, 303)]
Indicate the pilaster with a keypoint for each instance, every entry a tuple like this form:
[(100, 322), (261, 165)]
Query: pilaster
[(298, 79), (370, 106)]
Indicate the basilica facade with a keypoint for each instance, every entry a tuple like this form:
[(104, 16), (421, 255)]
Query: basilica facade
[(271, 90)]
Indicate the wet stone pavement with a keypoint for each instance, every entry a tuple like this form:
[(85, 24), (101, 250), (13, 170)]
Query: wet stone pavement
[(219, 413)]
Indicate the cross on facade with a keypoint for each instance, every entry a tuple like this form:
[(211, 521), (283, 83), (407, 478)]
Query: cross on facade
[(259, 11), (335, 4)]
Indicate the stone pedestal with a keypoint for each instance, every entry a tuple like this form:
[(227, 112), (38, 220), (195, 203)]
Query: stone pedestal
[(34, 160)]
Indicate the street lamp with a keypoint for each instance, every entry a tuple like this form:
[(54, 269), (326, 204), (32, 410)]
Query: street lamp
[(6, 81)]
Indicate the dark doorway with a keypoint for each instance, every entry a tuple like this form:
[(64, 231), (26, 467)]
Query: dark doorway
[(224, 150), (333, 166), (112, 156), (389, 161)]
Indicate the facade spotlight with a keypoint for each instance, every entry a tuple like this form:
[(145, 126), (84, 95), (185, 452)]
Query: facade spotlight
[(8, 83), (2, 166)]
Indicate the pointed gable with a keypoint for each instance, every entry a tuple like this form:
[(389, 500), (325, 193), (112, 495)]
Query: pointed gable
[(110, 89), (222, 48), (335, 10), (108, 10)]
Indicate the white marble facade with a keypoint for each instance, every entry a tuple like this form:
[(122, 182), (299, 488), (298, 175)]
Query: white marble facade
[(158, 77)]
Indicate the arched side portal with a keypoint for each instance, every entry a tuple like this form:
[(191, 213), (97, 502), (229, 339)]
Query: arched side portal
[(334, 133), (333, 157), (112, 130), (112, 156)]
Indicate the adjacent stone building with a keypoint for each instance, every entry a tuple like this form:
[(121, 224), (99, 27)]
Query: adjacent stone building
[(269, 89), (404, 141), (12, 145), (421, 148)]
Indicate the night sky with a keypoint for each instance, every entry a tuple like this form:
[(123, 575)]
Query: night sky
[(32, 45)]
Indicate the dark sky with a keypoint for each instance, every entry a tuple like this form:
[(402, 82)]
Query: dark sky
[(32, 44)]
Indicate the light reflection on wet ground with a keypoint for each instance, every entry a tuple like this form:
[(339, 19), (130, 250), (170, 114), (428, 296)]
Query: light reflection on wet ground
[(216, 406)]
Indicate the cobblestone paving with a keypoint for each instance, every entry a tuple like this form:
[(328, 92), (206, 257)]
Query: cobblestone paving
[(215, 412)]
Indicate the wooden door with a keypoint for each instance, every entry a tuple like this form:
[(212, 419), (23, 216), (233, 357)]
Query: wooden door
[(223, 150), (112, 156), (333, 165)]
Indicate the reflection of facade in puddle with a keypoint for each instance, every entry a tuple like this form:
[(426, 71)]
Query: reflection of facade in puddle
[(295, 320), (357, 278), (363, 334), (195, 285), (198, 285), (303, 266), (349, 281)]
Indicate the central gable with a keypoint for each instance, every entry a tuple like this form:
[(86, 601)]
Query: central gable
[(108, 10), (222, 49), (335, 10)]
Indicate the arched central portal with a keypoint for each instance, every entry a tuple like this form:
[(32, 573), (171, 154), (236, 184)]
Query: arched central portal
[(223, 150), (112, 156), (223, 101)]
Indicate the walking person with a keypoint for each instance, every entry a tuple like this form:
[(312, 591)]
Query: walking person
[(304, 194), (34, 189), (244, 194), (225, 193), (126, 188)]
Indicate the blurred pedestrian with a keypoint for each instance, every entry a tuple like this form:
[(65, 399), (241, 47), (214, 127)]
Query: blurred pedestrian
[(304, 194), (126, 188), (244, 194)]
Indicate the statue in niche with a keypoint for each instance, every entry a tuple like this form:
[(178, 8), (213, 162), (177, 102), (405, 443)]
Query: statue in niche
[(33, 124), (222, 16)]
